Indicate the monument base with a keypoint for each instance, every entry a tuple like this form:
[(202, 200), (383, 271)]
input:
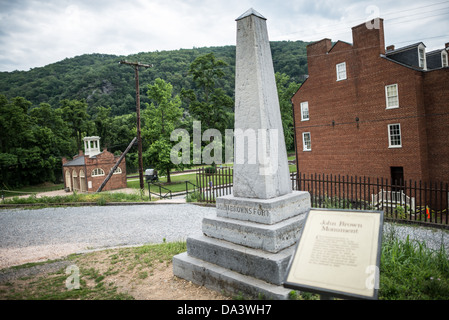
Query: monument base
[(221, 279), (272, 238), (245, 257)]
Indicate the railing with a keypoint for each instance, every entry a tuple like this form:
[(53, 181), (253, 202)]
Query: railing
[(195, 187), (19, 193), (392, 199), (166, 195)]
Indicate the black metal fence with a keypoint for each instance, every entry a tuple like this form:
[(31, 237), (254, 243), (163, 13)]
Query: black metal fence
[(402, 200), (405, 200), (214, 183)]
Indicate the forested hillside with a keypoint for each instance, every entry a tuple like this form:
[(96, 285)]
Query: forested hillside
[(102, 81), (45, 112)]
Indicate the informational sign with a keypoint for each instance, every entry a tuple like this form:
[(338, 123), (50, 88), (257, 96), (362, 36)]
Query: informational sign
[(338, 254)]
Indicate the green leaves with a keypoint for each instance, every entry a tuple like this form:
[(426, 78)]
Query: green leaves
[(206, 70), (160, 118), (74, 113), (209, 103), (32, 142), (165, 112), (286, 90)]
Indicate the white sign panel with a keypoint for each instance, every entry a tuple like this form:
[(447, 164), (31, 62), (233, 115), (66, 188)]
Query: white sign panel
[(338, 254)]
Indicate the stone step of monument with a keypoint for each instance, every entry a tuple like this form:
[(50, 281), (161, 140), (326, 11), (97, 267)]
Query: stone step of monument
[(220, 279), (270, 267), (267, 211), (272, 238)]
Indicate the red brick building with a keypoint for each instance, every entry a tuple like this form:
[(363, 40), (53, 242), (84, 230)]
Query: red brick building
[(368, 111), (87, 171)]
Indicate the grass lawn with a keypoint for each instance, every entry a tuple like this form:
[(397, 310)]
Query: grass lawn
[(44, 187), (178, 183)]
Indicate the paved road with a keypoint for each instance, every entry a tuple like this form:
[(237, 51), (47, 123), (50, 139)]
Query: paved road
[(47, 233)]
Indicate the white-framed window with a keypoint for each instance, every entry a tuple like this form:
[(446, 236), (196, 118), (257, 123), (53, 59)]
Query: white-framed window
[(394, 135), (341, 71), (118, 171), (422, 57), (306, 142), (444, 59), (97, 172), (305, 111), (392, 96)]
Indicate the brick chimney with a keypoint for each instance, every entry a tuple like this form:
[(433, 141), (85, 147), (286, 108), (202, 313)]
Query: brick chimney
[(370, 36), (316, 51), (390, 48), (446, 45), (319, 47)]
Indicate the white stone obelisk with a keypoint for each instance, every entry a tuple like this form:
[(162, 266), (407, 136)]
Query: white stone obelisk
[(260, 156), (247, 245)]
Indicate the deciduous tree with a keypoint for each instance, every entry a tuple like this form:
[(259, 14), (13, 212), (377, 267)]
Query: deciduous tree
[(160, 118)]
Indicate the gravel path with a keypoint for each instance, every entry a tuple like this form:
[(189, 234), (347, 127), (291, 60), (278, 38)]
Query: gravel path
[(433, 238), (52, 233)]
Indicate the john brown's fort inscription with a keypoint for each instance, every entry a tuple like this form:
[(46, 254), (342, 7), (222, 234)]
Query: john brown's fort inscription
[(243, 209)]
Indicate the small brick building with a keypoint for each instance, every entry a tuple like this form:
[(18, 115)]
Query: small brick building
[(368, 111), (87, 171)]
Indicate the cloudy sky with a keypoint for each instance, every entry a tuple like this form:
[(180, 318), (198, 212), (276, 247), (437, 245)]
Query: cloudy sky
[(34, 33)]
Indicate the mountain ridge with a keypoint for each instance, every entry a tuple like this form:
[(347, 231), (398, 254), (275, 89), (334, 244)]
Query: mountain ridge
[(101, 81)]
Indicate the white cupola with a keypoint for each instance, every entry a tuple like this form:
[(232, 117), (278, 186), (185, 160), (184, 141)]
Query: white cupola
[(91, 146)]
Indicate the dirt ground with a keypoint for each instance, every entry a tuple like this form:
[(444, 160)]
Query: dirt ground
[(154, 281), (160, 284)]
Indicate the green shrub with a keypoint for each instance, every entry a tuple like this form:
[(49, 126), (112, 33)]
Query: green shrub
[(410, 270), (193, 197), (210, 170)]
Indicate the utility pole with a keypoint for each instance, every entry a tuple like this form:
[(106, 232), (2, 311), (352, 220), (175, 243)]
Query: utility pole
[(136, 66)]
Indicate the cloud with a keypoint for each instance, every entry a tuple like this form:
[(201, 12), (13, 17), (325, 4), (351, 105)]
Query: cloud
[(51, 31), (38, 32)]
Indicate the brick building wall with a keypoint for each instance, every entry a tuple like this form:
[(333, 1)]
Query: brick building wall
[(436, 97), (105, 161), (348, 119)]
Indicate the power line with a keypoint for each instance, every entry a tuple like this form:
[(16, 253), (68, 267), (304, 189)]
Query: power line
[(331, 29), (417, 8), (436, 15)]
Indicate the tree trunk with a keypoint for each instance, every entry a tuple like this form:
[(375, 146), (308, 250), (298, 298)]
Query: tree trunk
[(168, 176), (78, 140)]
